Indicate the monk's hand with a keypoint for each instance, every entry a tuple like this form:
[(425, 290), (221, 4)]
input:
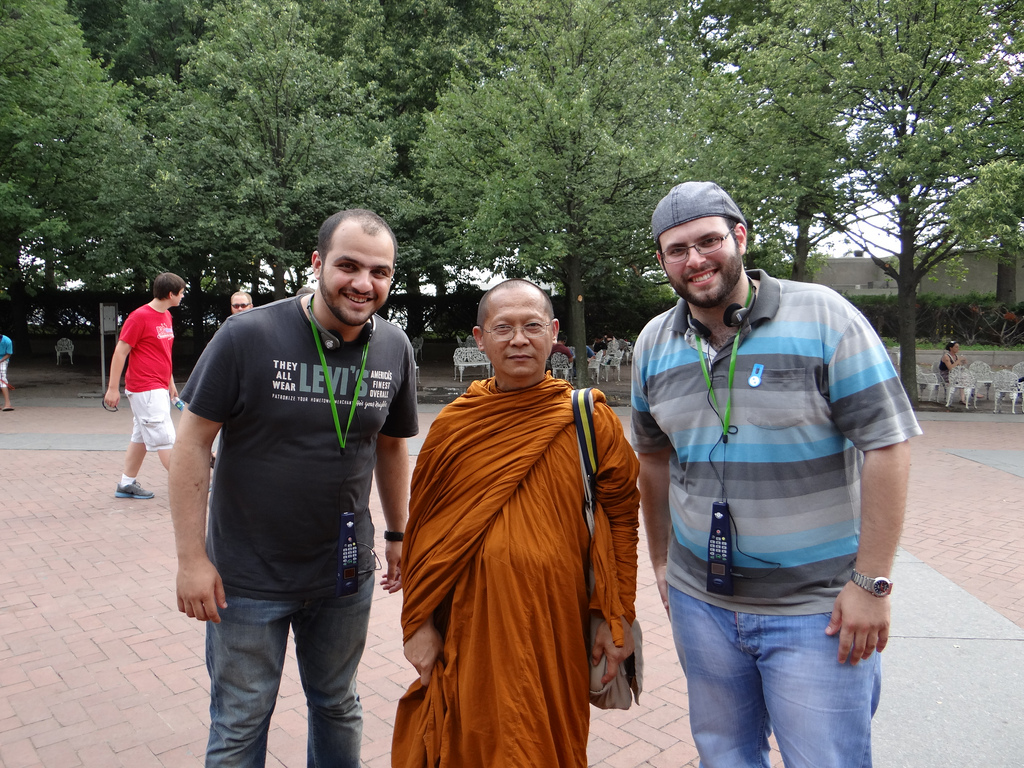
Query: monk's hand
[(862, 621), (391, 581), (423, 649), (604, 647)]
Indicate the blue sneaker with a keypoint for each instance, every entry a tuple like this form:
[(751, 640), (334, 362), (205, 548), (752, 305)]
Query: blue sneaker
[(132, 491)]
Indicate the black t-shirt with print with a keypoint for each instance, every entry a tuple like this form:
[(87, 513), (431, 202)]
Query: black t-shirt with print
[(281, 480)]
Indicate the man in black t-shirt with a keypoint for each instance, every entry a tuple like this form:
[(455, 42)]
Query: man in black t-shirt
[(313, 396)]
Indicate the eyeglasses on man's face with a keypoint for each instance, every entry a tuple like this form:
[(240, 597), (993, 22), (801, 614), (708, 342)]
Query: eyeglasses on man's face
[(240, 306), (502, 332), (708, 245)]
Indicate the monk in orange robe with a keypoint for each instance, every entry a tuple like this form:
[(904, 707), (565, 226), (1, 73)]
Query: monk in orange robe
[(496, 552)]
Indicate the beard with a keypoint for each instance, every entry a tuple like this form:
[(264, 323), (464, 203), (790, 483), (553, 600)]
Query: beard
[(345, 316), (729, 272)]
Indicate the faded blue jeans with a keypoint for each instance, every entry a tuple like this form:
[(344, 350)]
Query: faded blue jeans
[(747, 673), (245, 657)]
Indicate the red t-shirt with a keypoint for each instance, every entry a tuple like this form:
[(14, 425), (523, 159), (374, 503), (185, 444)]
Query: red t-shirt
[(151, 336)]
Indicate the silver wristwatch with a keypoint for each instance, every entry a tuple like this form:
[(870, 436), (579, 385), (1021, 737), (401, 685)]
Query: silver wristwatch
[(878, 586)]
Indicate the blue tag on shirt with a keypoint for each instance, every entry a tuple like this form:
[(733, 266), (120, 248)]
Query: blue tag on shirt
[(755, 375)]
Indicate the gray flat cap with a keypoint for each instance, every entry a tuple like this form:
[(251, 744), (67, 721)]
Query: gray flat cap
[(693, 200)]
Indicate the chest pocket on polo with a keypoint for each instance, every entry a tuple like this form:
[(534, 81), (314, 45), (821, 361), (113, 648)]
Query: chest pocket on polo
[(784, 399)]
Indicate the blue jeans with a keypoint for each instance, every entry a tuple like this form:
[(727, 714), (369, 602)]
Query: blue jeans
[(746, 673), (245, 657)]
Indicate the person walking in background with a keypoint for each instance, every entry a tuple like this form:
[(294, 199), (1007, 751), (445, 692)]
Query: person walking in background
[(772, 432), (6, 350), (145, 343), (313, 395), (496, 609), (240, 302)]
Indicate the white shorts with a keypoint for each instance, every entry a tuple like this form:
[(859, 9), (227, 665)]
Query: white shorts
[(151, 419), (3, 373)]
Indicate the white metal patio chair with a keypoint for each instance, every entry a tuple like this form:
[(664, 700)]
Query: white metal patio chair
[(560, 365), (612, 360), (963, 379), (928, 384), (983, 374), (65, 347), (1005, 386)]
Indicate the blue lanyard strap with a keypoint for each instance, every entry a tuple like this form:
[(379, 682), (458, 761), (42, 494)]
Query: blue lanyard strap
[(342, 439)]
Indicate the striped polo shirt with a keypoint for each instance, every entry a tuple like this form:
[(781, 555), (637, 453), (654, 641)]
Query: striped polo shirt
[(825, 391)]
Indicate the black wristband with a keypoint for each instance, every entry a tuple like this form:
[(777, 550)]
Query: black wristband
[(394, 535)]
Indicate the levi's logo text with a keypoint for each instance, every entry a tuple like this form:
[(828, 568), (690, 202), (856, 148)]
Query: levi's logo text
[(304, 383)]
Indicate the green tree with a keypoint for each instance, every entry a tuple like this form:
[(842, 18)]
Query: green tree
[(990, 211), (405, 51), (550, 166), (264, 139), (138, 39), (920, 88), (62, 130), (775, 138)]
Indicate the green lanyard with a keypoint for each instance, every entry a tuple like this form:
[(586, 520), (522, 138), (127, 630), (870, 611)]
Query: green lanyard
[(342, 439), (711, 391), (706, 364)]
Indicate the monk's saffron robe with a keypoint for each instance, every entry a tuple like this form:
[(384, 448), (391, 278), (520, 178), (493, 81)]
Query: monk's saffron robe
[(496, 552)]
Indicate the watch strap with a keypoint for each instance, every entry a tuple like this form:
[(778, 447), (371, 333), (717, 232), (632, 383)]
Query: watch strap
[(879, 586)]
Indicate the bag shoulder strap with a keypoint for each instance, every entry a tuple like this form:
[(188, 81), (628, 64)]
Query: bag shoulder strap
[(583, 414)]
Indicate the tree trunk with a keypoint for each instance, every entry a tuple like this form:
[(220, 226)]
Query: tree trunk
[(1006, 279), (279, 291), (197, 311), (414, 322), (803, 241), (906, 312), (906, 308), (577, 320)]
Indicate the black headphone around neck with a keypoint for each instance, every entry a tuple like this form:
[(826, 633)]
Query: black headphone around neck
[(733, 316), (331, 341)]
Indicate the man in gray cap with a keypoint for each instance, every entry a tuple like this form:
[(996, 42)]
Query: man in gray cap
[(773, 436)]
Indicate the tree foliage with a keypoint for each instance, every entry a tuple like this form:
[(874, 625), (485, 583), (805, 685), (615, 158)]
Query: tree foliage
[(880, 113), (264, 138), (774, 134), (210, 137), (61, 132), (550, 166)]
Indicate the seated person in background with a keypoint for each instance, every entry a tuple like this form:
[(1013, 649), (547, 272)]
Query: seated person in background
[(950, 360), (559, 346)]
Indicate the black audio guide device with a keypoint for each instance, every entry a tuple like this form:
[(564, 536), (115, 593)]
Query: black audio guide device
[(348, 566), (720, 550)]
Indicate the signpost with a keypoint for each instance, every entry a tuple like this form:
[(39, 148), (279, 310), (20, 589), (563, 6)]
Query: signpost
[(108, 324)]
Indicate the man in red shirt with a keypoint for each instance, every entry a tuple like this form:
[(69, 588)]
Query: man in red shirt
[(147, 336)]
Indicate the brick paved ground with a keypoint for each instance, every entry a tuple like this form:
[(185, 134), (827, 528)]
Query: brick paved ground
[(97, 668)]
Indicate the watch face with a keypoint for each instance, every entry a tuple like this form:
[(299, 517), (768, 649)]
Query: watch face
[(882, 586)]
